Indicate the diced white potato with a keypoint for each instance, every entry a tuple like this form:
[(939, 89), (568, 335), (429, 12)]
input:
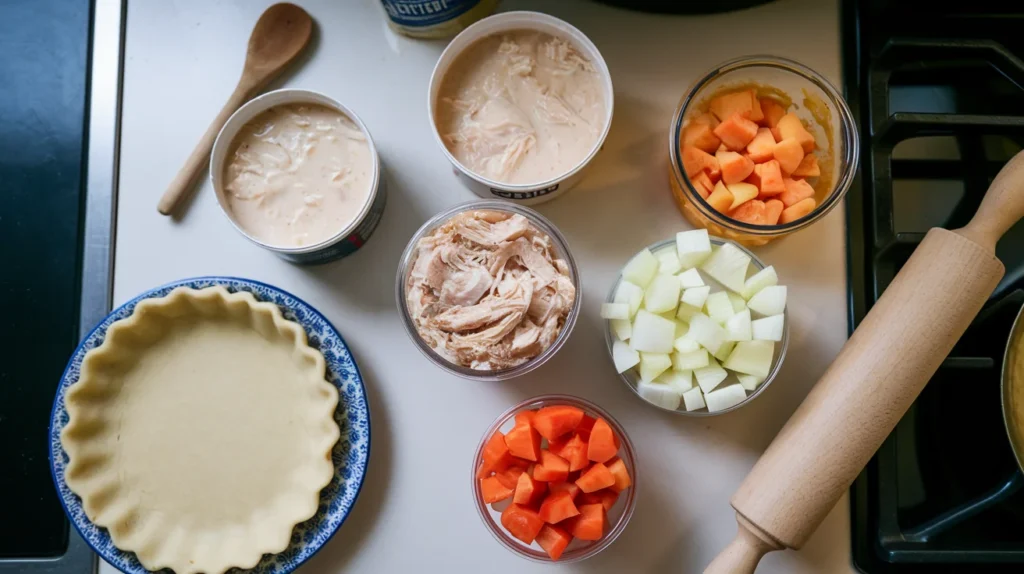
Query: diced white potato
[(670, 314), (749, 382), (769, 301), (725, 397), (623, 328), (738, 327), (690, 361), (696, 296), (751, 358), (724, 350), (668, 262), (630, 294), (710, 376), (662, 294), (685, 344), (615, 310), (685, 312), (624, 357), (690, 278), (681, 328), (654, 364), (769, 328), (719, 307), (708, 333), (681, 380), (652, 333), (728, 265), (693, 247), (763, 278), (664, 396), (693, 399), (641, 268), (738, 302)]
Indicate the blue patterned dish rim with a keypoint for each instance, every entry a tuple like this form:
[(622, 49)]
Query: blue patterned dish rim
[(351, 454)]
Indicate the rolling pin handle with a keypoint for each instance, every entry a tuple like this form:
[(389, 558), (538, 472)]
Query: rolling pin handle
[(743, 554), (1002, 206)]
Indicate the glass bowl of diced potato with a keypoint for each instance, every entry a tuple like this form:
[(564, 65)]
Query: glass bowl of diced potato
[(697, 324)]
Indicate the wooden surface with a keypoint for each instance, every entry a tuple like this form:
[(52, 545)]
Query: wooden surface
[(874, 380), (279, 36)]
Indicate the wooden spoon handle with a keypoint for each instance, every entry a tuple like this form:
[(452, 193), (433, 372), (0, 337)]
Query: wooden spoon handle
[(179, 189), (1002, 206)]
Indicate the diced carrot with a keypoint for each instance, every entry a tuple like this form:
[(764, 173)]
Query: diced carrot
[(603, 444), (571, 487), (752, 212), (553, 540), (735, 167), (509, 476), (595, 478), (702, 183), (522, 522), (756, 112), (605, 498), (772, 210), (573, 475), (523, 440), (529, 491), (720, 199), (808, 167), (734, 103), (797, 210), (575, 451), (494, 491), (589, 525), (552, 468), (586, 425), (790, 127), (773, 112), (557, 506), (701, 136), (761, 147), (741, 193), (696, 160), (622, 480), (525, 417), (558, 444), (771, 178), (797, 190), (736, 132), (555, 421), (495, 455), (789, 154)]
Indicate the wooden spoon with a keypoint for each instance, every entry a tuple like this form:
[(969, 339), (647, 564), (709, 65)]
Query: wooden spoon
[(281, 33)]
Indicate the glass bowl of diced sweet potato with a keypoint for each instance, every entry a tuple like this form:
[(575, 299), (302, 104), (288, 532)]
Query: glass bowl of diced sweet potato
[(761, 147)]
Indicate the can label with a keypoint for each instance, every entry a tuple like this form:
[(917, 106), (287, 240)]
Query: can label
[(353, 241), (424, 13), (520, 195)]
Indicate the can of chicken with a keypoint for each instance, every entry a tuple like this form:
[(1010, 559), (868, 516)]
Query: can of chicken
[(435, 18)]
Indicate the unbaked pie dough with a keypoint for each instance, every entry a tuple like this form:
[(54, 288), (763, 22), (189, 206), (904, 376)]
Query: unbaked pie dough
[(201, 430)]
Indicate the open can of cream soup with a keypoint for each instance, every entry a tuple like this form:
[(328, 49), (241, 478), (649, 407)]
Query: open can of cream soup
[(304, 207), (470, 43)]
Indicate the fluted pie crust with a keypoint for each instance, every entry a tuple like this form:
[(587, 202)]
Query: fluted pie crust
[(200, 431)]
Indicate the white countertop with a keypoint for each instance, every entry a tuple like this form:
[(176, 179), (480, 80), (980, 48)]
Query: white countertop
[(182, 59)]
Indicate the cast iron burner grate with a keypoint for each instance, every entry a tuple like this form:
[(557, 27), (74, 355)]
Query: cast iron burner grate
[(940, 102)]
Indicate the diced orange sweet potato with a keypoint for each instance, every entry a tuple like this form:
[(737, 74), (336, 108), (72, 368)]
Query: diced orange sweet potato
[(595, 478), (696, 160), (752, 212), (756, 112), (509, 476), (797, 210), (772, 110), (622, 480), (736, 132), (761, 147), (790, 127), (707, 119), (726, 105), (522, 522), (605, 498), (553, 540), (720, 199), (495, 455), (523, 440), (735, 167), (741, 193), (585, 426), (755, 176), (771, 179), (590, 523), (797, 190), (529, 491), (570, 487), (494, 491), (603, 445), (772, 210), (558, 420), (552, 468), (557, 506), (701, 136), (789, 154), (575, 451), (808, 167), (702, 183)]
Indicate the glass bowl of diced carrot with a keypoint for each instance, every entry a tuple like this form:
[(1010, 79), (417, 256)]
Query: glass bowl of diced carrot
[(554, 479), (761, 147)]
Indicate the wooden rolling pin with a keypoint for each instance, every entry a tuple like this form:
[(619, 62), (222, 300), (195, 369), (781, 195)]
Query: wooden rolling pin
[(871, 384)]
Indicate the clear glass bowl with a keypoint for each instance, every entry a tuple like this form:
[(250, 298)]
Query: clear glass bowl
[(561, 248), (631, 377), (578, 550), (816, 101)]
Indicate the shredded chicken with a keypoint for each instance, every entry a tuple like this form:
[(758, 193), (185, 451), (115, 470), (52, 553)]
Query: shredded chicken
[(488, 291)]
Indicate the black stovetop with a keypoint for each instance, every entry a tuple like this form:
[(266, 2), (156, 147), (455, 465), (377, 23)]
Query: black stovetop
[(939, 95)]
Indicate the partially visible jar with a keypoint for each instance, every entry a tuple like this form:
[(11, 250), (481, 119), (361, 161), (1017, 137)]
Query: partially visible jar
[(433, 19)]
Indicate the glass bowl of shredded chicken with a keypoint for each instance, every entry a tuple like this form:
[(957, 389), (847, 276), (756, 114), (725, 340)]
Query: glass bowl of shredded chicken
[(488, 290)]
